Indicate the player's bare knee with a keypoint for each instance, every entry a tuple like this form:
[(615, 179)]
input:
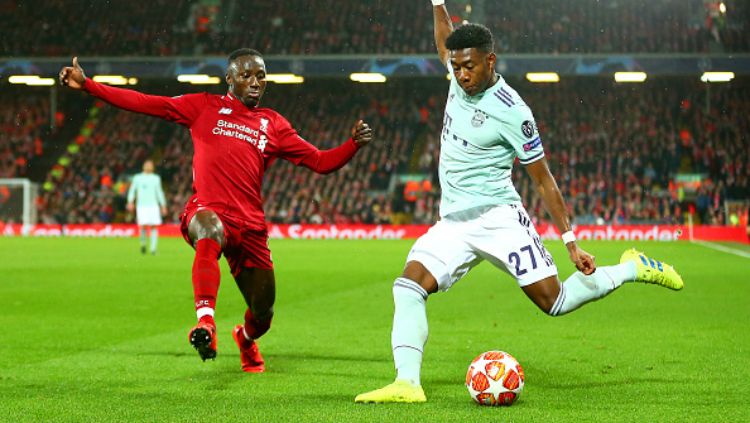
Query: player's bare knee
[(546, 306), (206, 225), (544, 293), (415, 271)]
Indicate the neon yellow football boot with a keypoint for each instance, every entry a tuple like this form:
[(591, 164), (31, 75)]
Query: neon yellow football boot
[(653, 271), (398, 391)]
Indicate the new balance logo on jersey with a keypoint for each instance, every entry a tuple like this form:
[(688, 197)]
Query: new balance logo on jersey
[(225, 111)]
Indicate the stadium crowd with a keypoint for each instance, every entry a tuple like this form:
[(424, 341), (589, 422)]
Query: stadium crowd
[(24, 124), (91, 188), (162, 27), (614, 149)]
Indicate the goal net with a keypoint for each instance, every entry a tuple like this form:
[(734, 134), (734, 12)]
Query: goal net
[(18, 201)]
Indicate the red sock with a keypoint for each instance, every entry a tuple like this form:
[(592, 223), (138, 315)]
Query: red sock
[(255, 328), (206, 276)]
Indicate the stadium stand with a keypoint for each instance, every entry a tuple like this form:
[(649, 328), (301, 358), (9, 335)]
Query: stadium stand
[(162, 28), (25, 126), (615, 150)]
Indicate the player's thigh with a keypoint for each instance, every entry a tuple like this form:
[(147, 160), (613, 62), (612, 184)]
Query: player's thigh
[(505, 237), (444, 253)]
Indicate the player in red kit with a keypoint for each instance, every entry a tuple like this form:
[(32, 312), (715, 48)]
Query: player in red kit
[(235, 141)]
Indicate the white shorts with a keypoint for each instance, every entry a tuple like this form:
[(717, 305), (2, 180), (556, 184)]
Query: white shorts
[(148, 215), (502, 235)]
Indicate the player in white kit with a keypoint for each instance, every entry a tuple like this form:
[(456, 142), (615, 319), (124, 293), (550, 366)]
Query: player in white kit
[(486, 127), (147, 198)]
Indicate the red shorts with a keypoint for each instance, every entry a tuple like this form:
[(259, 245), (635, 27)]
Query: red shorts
[(244, 246)]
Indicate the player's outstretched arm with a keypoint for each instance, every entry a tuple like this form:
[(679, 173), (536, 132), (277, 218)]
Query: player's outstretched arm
[(327, 161), (443, 28), (552, 198), (183, 109)]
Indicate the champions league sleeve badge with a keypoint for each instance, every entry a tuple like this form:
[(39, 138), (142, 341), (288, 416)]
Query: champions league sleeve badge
[(478, 119), (528, 127)]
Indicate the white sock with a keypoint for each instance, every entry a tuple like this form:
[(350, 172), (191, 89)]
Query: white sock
[(409, 328), (204, 311), (143, 236), (580, 289), (154, 239)]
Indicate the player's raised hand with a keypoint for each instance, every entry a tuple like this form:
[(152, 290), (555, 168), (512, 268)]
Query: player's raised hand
[(72, 76), (584, 261), (361, 133)]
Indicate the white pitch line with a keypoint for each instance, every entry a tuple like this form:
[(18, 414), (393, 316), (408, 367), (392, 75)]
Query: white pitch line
[(722, 248)]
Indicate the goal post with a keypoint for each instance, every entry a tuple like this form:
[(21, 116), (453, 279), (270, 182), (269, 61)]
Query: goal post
[(18, 200)]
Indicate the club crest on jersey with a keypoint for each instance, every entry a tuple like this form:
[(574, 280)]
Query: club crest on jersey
[(225, 111), (478, 119), (264, 125), (528, 127)]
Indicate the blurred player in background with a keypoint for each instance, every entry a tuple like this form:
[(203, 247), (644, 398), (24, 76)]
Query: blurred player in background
[(486, 127), (235, 141), (146, 197)]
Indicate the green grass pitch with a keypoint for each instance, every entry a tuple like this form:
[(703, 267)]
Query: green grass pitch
[(93, 331)]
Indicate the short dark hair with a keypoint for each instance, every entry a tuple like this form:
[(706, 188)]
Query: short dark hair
[(243, 52), (471, 35)]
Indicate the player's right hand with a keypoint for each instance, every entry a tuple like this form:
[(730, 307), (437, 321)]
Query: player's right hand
[(72, 76), (584, 261), (130, 207)]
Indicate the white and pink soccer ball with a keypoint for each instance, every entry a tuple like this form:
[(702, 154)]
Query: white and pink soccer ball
[(494, 378)]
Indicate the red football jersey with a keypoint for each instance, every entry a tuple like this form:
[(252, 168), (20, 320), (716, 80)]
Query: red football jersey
[(234, 145)]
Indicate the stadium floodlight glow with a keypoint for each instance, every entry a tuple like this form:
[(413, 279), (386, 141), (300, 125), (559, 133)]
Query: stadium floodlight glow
[(115, 80), (285, 78), (630, 76), (543, 77), (367, 77), (717, 76), (33, 80), (198, 78)]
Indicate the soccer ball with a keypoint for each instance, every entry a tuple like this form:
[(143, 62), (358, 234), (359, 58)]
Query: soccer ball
[(494, 378)]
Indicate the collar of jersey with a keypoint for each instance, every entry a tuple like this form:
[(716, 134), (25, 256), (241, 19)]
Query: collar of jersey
[(480, 96), (236, 102)]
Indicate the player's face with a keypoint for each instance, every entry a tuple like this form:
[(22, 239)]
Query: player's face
[(246, 77), (148, 166), (473, 69)]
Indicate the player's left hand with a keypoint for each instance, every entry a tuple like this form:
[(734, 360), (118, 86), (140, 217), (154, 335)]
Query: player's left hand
[(584, 261), (163, 211), (361, 133)]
